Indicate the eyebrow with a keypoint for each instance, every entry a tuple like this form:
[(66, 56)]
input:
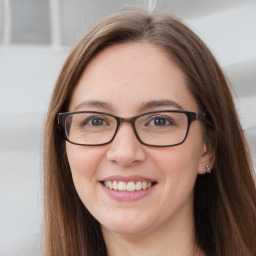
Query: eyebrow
[(160, 103), (94, 104), (144, 106)]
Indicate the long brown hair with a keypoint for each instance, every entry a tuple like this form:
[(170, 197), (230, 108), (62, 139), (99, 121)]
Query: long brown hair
[(225, 200)]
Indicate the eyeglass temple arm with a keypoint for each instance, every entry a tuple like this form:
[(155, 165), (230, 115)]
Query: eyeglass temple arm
[(204, 117), (201, 116), (59, 119)]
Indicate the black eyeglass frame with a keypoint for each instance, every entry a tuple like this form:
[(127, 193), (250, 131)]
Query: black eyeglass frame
[(191, 116)]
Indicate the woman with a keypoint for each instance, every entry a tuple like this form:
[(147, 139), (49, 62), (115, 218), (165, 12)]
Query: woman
[(143, 150)]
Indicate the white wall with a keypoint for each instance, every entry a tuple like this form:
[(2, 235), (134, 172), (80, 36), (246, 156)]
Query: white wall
[(27, 77), (28, 74)]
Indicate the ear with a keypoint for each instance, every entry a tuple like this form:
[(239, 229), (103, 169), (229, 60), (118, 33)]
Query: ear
[(207, 156)]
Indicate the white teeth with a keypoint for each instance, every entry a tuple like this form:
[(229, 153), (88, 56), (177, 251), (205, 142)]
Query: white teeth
[(122, 186), (130, 186), (110, 185), (115, 185), (138, 185)]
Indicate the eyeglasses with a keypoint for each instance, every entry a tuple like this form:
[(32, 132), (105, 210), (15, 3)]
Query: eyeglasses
[(158, 128)]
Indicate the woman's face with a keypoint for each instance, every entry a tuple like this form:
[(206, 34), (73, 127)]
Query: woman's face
[(127, 80)]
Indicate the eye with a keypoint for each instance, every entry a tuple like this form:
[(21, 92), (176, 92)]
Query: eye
[(95, 121), (159, 121)]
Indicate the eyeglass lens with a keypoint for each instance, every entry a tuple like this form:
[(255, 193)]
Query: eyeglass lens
[(162, 128)]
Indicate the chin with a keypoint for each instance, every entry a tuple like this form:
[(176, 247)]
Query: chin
[(126, 225), (125, 230)]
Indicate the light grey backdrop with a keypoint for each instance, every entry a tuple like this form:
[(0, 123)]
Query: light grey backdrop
[(35, 38)]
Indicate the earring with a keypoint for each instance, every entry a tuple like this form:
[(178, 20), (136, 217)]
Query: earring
[(207, 168)]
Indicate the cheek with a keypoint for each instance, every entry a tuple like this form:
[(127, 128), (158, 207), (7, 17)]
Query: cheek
[(179, 165), (83, 163), (178, 169), (82, 160), (178, 160)]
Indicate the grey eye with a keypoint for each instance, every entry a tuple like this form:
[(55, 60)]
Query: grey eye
[(96, 121), (159, 121)]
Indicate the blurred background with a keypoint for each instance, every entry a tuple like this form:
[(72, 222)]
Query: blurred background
[(36, 37)]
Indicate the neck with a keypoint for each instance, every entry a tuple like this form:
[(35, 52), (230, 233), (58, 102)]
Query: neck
[(175, 239)]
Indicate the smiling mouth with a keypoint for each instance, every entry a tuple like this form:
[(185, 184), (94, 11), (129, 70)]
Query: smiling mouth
[(130, 186)]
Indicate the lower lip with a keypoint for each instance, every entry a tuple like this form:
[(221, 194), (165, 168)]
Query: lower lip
[(127, 196)]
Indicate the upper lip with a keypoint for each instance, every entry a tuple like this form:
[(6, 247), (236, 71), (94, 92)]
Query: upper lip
[(127, 178)]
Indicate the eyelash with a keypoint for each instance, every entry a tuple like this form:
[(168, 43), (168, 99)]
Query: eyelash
[(166, 119), (91, 119)]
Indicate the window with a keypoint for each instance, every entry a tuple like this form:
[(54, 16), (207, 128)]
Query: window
[(54, 22), (30, 22)]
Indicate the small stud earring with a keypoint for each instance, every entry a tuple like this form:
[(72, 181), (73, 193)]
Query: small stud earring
[(207, 168)]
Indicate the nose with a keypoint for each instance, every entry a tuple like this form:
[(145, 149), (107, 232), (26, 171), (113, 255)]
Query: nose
[(125, 149)]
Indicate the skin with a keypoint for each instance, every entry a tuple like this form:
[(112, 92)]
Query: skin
[(126, 77)]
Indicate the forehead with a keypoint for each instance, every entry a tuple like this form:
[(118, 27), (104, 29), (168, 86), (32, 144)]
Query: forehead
[(129, 75)]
